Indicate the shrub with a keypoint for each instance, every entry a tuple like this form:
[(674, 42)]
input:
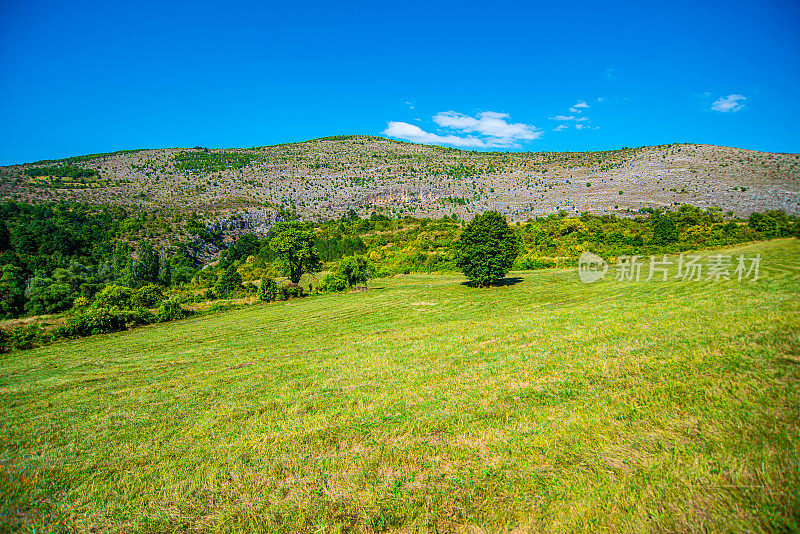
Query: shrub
[(529, 263), (170, 310), (268, 291), (80, 303), (93, 321), (137, 316), (228, 283), (332, 282), (665, 231), (24, 337), (147, 296), (353, 270), (290, 291), (114, 296), (4, 341)]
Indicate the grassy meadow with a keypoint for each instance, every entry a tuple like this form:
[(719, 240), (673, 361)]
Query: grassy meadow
[(424, 405)]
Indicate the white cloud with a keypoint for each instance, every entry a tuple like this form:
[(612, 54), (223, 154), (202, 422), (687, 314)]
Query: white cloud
[(611, 73), (488, 123), (568, 118), (579, 106), (560, 127), (579, 126), (409, 104), (490, 129), (415, 134), (729, 103)]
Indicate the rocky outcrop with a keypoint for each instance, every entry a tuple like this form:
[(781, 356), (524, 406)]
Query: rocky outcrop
[(255, 221)]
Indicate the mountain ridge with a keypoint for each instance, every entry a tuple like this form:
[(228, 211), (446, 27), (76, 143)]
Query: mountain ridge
[(328, 176)]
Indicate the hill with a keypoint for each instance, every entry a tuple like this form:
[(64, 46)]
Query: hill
[(329, 176), (544, 404)]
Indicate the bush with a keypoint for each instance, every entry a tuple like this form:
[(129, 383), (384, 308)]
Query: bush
[(353, 270), (114, 296), (290, 291), (80, 303), (268, 291), (4, 341), (665, 231), (170, 310), (147, 296), (487, 249), (93, 321), (229, 282), (332, 282), (529, 263), (137, 316), (23, 337)]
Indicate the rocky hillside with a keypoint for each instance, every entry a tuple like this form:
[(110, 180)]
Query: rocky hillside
[(329, 176)]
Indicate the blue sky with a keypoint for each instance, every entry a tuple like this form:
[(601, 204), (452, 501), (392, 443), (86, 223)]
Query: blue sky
[(84, 77)]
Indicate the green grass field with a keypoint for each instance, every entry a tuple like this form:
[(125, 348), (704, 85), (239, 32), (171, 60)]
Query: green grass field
[(424, 405)]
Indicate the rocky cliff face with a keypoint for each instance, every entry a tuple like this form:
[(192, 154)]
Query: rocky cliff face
[(229, 229), (254, 221)]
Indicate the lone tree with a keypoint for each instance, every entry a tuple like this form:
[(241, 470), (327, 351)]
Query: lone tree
[(293, 245), (487, 249)]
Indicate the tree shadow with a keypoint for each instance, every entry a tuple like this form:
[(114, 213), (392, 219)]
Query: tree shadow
[(507, 281)]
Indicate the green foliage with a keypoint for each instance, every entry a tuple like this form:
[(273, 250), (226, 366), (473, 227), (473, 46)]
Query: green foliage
[(147, 296), (268, 291), (246, 245), (24, 337), (93, 321), (487, 249), (529, 263), (12, 291), (286, 292), (114, 296), (687, 416), (332, 282), (136, 316), (69, 171), (147, 266), (170, 310), (335, 247), (772, 223), (87, 157), (46, 295), (205, 161), (5, 237), (229, 282), (293, 244), (354, 270), (665, 231)]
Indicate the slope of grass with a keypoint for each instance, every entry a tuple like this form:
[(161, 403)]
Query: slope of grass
[(424, 405)]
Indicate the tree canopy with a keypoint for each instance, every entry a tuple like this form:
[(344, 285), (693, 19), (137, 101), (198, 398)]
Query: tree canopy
[(293, 244), (487, 249)]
